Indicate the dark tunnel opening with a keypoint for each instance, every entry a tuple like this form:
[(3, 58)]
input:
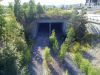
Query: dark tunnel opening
[(48, 27), (43, 27), (58, 27)]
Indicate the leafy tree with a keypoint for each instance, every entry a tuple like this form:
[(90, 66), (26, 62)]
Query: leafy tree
[(17, 9), (2, 22), (25, 10), (44, 7), (40, 9), (11, 7), (78, 22), (80, 31), (32, 10), (25, 7), (14, 49)]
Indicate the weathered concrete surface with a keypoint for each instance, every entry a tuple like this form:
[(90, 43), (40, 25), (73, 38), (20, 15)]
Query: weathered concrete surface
[(35, 25)]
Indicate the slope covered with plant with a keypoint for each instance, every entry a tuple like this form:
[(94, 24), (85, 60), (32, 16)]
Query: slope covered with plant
[(13, 48)]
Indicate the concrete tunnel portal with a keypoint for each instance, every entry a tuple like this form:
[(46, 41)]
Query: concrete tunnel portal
[(48, 27), (42, 26)]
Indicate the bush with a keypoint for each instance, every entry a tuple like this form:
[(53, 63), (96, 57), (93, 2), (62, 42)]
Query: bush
[(85, 66), (70, 35), (46, 70), (26, 57), (84, 47), (54, 42), (46, 55), (78, 59), (66, 73), (46, 60), (75, 48), (14, 53), (63, 51), (67, 43)]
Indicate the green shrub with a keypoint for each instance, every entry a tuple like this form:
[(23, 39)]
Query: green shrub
[(84, 47), (26, 57), (54, 42), (96, 72), (63, 51), (78, 59), (75, 48), (66, 73), (67, 43), (46, 70), (46, 55), (46, 60), (70, 35), (14, 53), (85, 66)]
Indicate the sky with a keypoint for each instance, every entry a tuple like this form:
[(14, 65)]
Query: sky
[(48, 2)]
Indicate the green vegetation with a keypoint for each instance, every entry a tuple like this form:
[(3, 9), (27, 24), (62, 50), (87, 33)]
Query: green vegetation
[(32, 10), (16, 37), (13, 48), (56, 12), (85, 66), (77, 47), (17, 10), (2, 23), (78, 22), (40, 9), (46, 70), (46, 61), (67, 43), (66, 73), (54, 42), (46, 55), (63, 51)]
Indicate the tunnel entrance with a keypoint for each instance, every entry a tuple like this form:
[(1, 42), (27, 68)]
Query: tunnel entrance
[(48, 27), (58, 27), (43, 27)]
